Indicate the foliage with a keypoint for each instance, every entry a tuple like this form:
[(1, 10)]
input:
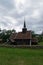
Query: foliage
[(33, 34), (40, 43), (5, 34), (38, 36)]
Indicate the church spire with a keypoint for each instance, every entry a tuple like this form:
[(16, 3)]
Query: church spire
[(24, 28), (24, 24)]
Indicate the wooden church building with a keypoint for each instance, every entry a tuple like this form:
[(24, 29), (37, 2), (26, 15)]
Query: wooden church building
[(23, 38)]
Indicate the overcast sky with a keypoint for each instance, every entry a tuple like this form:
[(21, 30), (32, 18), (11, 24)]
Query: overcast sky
[(13, 12)]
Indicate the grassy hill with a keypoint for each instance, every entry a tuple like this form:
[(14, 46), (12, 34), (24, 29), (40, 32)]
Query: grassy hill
[(19, 56)]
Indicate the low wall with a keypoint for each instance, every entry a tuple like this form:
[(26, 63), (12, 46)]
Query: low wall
[(22, 46)]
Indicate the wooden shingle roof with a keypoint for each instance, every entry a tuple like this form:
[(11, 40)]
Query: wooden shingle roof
[(21, 35)]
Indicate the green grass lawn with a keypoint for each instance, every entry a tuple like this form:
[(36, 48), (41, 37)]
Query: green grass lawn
[(19, 56)]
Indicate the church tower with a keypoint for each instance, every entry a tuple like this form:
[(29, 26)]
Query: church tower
[(24, 30)]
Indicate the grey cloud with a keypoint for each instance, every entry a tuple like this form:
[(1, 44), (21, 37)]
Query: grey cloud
[(7, 3), (9, 9)]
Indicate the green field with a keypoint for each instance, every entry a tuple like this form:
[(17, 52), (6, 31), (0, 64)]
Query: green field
[(19, 56)]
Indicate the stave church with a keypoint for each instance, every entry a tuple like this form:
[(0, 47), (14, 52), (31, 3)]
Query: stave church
[(23, 38)]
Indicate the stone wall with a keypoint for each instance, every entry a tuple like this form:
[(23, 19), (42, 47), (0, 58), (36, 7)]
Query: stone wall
[(22, 46)]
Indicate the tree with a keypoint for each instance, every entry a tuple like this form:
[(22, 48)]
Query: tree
[(33, 34), (6, 34), (13, 31), (0, 29)]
